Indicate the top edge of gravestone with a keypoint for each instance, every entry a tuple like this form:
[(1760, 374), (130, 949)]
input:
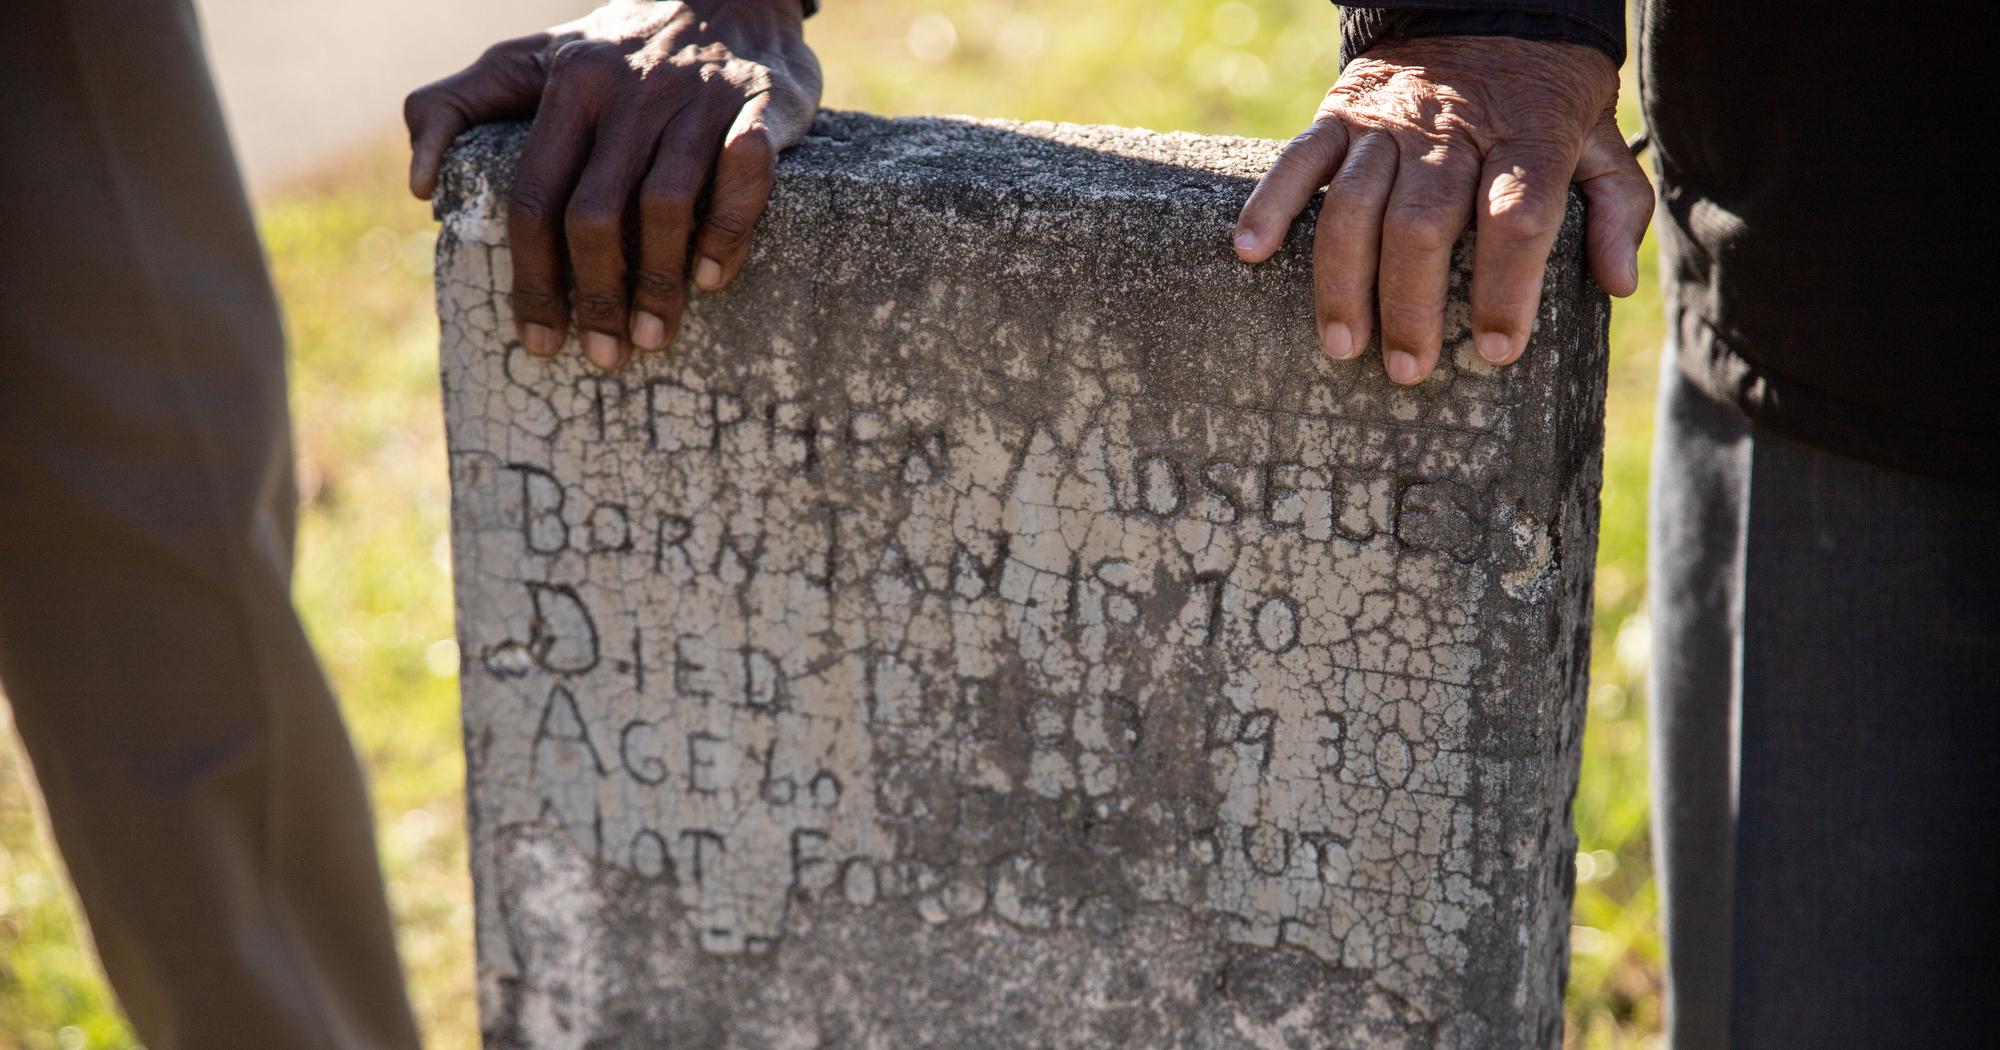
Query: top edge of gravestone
[(1045, 160), (1083, 161)]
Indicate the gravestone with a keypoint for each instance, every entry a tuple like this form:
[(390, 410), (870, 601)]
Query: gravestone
[(995, 625)]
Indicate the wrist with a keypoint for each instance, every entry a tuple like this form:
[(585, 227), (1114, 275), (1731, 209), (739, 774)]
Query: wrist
[(1363, 28), (1570, 70), (790, 10)]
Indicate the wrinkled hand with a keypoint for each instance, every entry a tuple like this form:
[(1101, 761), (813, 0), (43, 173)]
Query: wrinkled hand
[(1420, 136), (637, 104)]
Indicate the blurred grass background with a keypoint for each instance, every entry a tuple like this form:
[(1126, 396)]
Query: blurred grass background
[(352, 254)]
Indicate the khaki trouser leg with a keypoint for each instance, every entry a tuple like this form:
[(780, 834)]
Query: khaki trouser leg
[(201, 786)]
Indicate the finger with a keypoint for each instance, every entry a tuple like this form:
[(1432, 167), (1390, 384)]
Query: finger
[(594, 229), (1523, 190), (1621, 205), (1347, 243), (544, 177), (667, 200), (1427, 210), (1302, 167), (505, 82), (744, 173)]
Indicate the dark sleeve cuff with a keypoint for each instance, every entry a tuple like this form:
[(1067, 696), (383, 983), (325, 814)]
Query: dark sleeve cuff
[(1593, 23)]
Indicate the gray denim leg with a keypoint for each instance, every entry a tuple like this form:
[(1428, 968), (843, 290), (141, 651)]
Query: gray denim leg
[(1825, 695), (1701, 456), (1869, 792)]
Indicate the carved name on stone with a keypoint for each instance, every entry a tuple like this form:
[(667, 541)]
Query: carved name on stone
[(995, 625)]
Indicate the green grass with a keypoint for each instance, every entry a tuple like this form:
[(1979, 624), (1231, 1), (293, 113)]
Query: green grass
[(352, 256)]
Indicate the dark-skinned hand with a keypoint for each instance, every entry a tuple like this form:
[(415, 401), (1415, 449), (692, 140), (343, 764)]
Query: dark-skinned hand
[(1419, 137), (653, 106)]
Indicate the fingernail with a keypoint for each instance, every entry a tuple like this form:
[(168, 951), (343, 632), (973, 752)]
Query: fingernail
[(1402, 367), (708, 275), (603, 350), (538, 338), (1495, 347), (1338, 340), (648, 331), (1246, 241)]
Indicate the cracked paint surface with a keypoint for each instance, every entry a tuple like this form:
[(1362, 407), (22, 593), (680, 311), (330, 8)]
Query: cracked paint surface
[(995, 625)]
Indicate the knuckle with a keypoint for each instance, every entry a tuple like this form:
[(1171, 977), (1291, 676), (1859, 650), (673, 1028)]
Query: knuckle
[(666, 206), (1293, 166), (1639, 190), (1411, 321), (1376, 143), (1346, 231), (1367, 170), (1305, 156), (590, 66), (596, 308), (1418, 228), (1511, 312), (654, 286), (1544, 150), (1342, 301), (755, 79), (1339, 286), (592, 220), (755, 149), (1516, 219), (535, 302), (532, 203), (508, 52), (1314, 136), (1345, 220), (435, 103), (728, 227), (1262, 208), (573, 57), (417, 106)]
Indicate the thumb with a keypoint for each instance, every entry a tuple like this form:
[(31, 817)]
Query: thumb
[(505, 82), (1621, 206)]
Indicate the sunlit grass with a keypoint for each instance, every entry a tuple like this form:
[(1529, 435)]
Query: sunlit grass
[(352, 257)]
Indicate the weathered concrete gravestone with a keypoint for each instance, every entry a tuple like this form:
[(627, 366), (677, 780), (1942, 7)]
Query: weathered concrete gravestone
[(996, 625)]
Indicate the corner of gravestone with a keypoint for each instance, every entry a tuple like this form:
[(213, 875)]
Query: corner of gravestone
[(994, 625)]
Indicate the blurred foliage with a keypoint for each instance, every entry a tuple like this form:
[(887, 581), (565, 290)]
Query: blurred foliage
[(352, 257)]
